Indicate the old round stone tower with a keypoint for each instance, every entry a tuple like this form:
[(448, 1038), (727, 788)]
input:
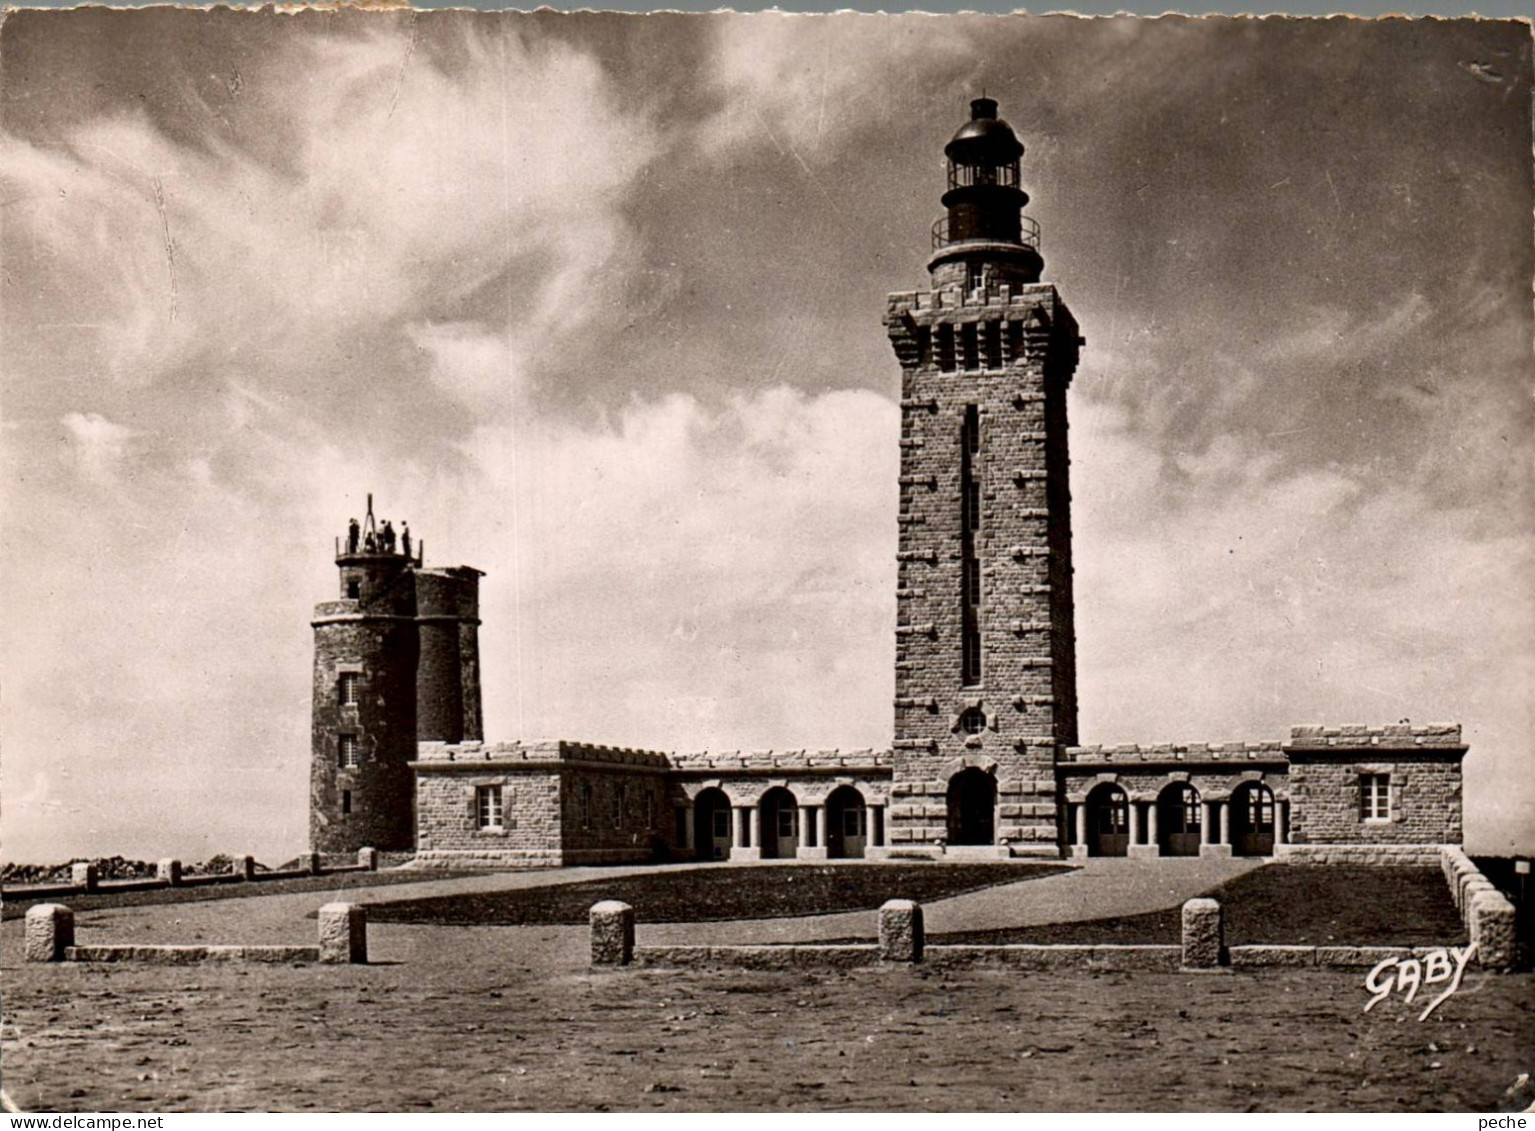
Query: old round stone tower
[(986, 649), (396, 662)]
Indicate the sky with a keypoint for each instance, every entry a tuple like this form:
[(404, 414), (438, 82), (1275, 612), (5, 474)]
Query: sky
[(594, 301)]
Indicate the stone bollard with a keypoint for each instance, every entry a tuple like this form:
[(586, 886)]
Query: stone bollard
[(50, 928), (245, 867), (311, 863), (1493, 930), (1203, 937), (612, 926), (343, 933), (168, 871), (900, 931), (368, 858), (83, 876)]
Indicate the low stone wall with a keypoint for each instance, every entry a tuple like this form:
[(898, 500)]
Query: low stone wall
[(190, 955), (343, 931), (1384, 855), (1487, 913), (901, 942), (169, 873)]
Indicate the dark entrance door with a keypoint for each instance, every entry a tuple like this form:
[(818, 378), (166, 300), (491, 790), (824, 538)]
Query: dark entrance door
[(1252, 820), (711, 825), (1179, 820), (1108, 822), (847, 827), (972, 807), (780, 825)]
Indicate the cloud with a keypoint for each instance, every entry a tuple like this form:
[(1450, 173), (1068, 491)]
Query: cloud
[(97, 444), (801, 84)]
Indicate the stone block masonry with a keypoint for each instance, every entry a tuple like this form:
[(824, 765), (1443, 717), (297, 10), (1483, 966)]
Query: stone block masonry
[(50, 931), (901, 935), (612, 933), (343, 933), (1204, 941), (985, 655)]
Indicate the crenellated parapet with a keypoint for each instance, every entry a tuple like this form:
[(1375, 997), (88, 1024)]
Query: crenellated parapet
[(1175, 752), (1354, 736)]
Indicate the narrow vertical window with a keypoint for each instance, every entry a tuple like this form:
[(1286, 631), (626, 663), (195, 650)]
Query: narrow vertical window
[(586, 805), (348, 752), (618, 805), (487, 807), (1375, 797), (924, 345), (346, 801), (993, 332), (970, 524), (650, 810), (946, 347), (967, 337), (347, 688)]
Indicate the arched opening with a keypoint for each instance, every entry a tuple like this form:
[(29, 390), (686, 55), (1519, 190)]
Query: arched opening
[(1180, 820), (711, 825), (1252, 820), (780, 825), (847, 824), (1108, 821), (972, 807)]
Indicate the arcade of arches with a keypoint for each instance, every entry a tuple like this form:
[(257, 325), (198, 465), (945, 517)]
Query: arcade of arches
[(778, 825), (1177, 821)]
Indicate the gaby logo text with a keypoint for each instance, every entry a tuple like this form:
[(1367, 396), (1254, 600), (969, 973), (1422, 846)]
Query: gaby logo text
[(1409, 975)]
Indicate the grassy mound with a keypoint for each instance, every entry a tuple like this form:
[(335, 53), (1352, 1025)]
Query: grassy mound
[(706, 894), (1283, 904)]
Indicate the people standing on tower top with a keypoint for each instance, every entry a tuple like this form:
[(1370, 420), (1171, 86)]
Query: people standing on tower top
[(388, 537), (405, 538), (369, 545), (351, 536)]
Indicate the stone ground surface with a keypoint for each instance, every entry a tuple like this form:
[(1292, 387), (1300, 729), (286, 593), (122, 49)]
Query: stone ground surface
[(489, 1018)]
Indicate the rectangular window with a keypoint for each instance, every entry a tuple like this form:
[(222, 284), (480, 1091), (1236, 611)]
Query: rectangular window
[(852, 822), (924, 345), (972, 505), (487, 806), (972, 582), (346, 801), (348, 686), (1375, 797), (650, 810), (618, 807), (972, 652), (349, 750), (967, 337), (586, 805), (786, 821), (993, 331)]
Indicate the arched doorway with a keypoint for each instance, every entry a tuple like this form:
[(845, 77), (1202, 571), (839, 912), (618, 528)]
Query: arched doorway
[(972, 807), (1252, 820), (1108, 821), (711, 825), (780, 825), (1180, 820), (847, 824)]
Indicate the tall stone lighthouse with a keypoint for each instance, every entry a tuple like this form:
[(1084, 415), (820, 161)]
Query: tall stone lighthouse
[(396, 662), (986, 649)]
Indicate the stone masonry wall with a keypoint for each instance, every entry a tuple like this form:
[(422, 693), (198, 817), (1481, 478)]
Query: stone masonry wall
[(446, 820), (1027, 690), (548, 815), (376, 639), (1424, 764)]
